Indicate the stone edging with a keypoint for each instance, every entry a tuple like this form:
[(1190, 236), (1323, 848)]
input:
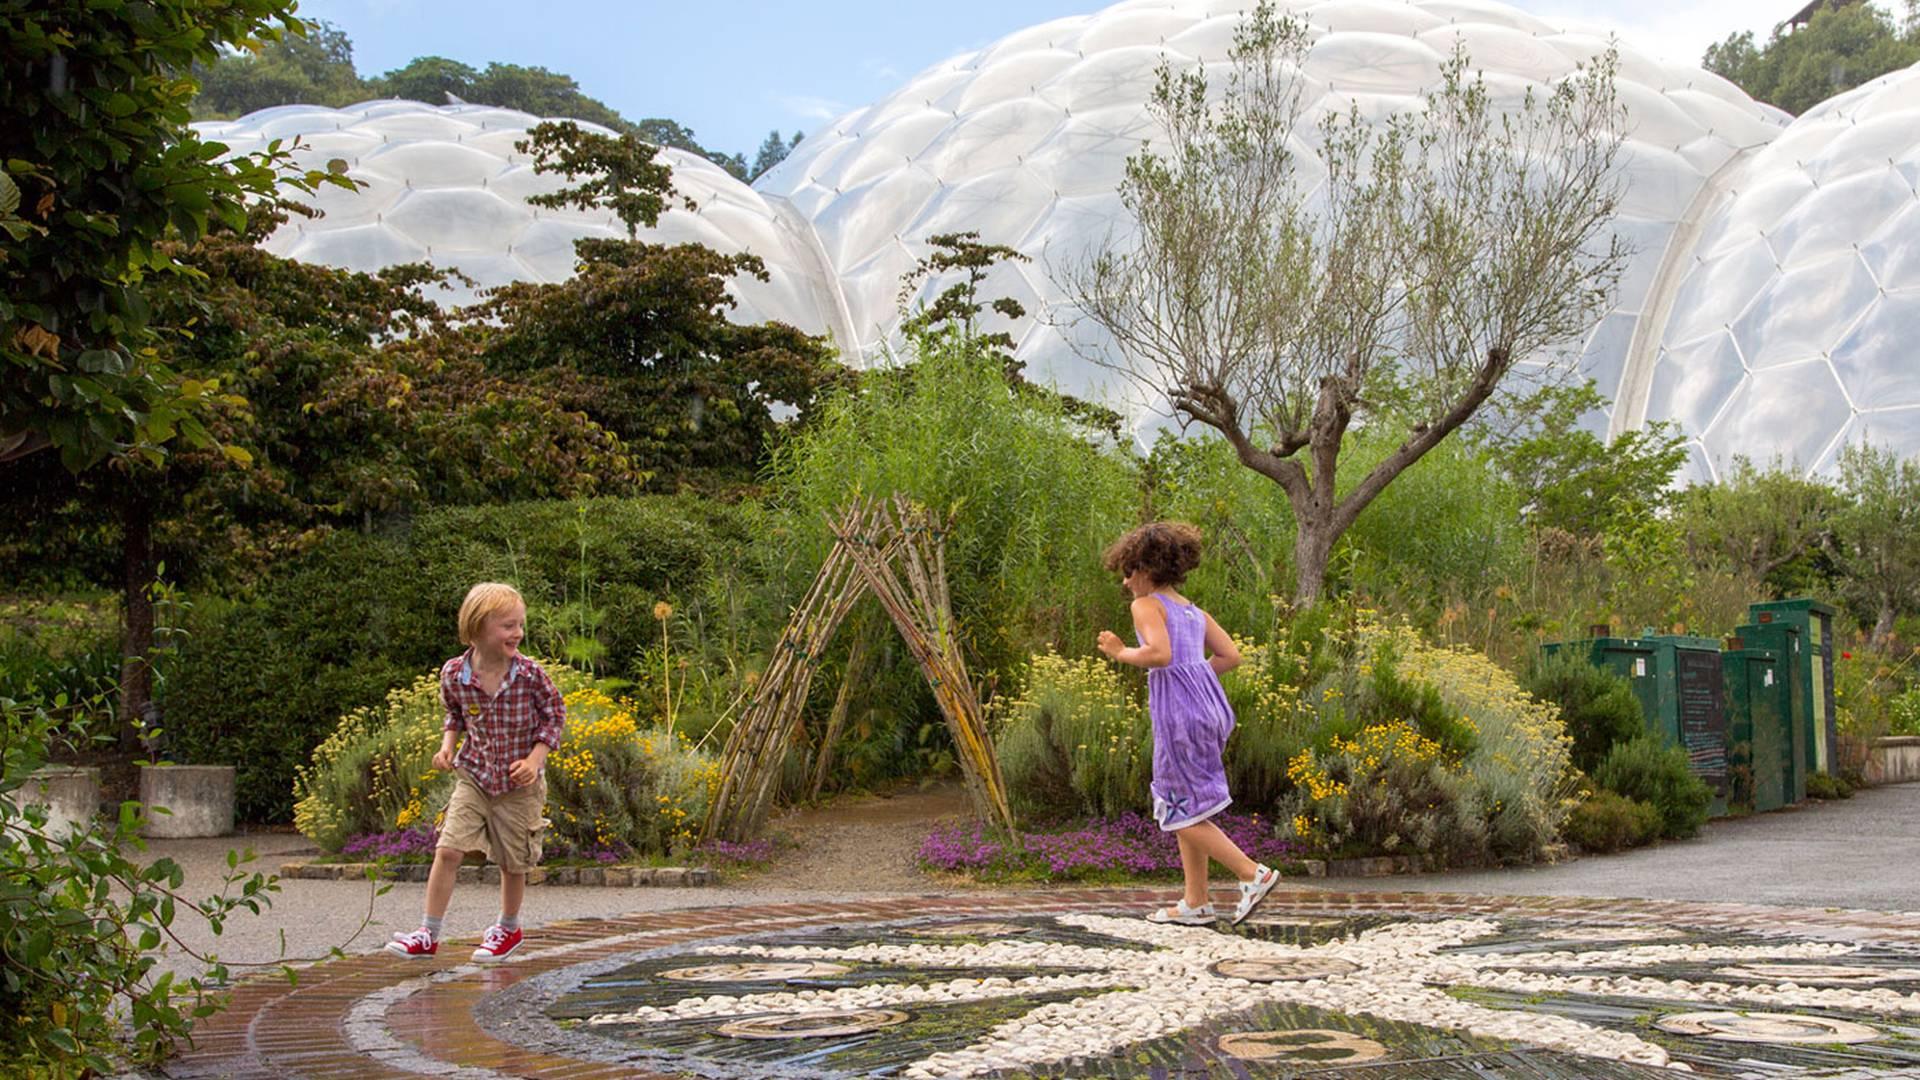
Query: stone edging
[(604, 876)]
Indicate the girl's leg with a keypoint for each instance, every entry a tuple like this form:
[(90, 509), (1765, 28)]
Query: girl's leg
[(1193, 864), (1207, 839), (513, 889), (446, 870)]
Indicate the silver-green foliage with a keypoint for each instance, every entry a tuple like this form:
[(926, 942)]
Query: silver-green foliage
[(1395, 285)]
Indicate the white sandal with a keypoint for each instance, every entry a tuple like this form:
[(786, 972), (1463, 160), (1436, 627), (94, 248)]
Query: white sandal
[(1252, 892), (1182, 915)]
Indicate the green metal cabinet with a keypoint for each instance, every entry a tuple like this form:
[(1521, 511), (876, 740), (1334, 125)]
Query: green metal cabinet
[(1764, 758), (1812, 668)]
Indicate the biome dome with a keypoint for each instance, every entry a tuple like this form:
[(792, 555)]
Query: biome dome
[(446, 186), (1746, 313), (1792, 329)]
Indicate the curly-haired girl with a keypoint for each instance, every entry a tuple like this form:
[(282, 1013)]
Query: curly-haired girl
[(1191, 717)]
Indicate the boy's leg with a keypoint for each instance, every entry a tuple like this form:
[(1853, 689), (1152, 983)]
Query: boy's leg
[(513, 889), (440, 881)]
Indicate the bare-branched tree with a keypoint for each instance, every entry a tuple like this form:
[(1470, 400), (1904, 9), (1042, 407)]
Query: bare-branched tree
[(1446, 245)]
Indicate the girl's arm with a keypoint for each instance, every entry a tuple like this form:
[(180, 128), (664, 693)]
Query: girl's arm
[(1150, 625), (1225, 657)]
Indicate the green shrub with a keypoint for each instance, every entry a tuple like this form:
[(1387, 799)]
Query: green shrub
[(1607, 821), (1658, 775), (615, 784), (1827, 786), (1036, 499), (1076, 742), (1903, 713), (1518, 760), (1597, 706), (262, 680), (58, 646), (85, 917), (1389, 789)]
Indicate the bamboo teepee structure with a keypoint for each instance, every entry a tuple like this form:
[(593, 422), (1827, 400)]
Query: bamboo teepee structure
[(896, 550)]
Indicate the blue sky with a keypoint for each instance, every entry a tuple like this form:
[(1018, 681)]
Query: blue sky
[(731, 70)]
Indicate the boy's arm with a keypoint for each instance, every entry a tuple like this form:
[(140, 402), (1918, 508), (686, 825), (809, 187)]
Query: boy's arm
[(552, 707), (453, 726)]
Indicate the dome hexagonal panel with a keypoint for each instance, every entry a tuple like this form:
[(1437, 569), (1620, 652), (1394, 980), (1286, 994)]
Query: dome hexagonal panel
[(1810, 252)]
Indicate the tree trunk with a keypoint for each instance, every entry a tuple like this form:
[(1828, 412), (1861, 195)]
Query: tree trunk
[(1312, 550), (1883, 627), (136, 638)]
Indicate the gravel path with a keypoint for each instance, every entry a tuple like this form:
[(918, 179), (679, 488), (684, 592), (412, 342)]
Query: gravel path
[(1861, 853)]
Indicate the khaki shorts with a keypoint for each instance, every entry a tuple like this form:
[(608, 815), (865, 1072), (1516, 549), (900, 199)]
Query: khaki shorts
[(506, 827)]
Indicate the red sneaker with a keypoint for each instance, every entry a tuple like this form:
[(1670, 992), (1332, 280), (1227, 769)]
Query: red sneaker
[(417, 943), (498, 944)]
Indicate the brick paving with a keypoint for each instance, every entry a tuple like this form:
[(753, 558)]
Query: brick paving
[(378, 1015)]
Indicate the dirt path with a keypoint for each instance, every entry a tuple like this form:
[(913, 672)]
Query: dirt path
[(866, 844)]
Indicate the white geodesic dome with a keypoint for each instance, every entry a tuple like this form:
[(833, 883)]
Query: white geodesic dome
[(1025, 142), (1796, 326), (444, 185)]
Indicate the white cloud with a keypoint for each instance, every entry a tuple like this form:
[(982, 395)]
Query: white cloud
[(809, 107)]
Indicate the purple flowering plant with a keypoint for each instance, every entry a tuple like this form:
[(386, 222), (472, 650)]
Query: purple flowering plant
[(400, 845), (722, 853), (1119, 848)]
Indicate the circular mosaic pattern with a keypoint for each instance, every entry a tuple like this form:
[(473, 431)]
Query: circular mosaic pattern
[(723, 973), (1316, 1045), (980, 995), (1766, 1027), (974, 929), (1291, 969), (825, 1025)]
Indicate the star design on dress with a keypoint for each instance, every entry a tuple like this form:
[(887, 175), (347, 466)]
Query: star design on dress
[(1191, 976)]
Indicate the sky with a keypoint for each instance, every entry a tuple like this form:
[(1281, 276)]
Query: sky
[(732, 70)]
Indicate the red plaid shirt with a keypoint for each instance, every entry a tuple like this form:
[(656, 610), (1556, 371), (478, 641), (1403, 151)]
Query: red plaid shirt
[(502, 728)]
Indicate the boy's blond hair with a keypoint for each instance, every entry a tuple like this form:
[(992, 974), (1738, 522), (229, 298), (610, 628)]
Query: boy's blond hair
[(483, 600)]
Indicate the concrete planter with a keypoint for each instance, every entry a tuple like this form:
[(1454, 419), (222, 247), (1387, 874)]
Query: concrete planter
[(71, 796), (199, 796), (1894, 760)]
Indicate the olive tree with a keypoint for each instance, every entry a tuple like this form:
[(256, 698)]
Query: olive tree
[(1442, 247)]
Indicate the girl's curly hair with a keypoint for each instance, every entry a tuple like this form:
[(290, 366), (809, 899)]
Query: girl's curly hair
[(1166, 550)]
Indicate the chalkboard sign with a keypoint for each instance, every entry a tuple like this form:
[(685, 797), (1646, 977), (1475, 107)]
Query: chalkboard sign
[(1703, 714)]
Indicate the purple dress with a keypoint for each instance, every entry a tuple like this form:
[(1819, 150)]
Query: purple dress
[(1191, 722)]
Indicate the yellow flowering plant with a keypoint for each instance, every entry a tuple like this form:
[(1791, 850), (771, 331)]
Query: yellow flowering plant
[(616, 784), (1075, 741)]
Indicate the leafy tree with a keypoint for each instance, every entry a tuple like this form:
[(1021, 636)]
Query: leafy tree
[(639, 338), (97, 146), (313, 67), (1571, 479), (540, 92), (1876, 541), (344, 404), (96, 141), (1768, 524), (661, 132), (773, 151), (426, 78), (1844, 45), (1453, 242)]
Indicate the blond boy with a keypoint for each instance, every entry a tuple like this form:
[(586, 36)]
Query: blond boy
[(512, 716)]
